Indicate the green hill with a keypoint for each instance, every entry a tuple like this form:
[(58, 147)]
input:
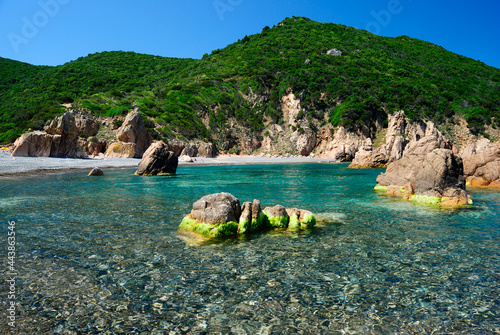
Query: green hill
[(246, 80)]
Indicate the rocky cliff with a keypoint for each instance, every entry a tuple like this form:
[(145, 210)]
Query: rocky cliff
[(65, 136), (81, 134)]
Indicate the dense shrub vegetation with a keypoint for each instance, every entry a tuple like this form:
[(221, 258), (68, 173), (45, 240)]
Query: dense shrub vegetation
[(374, 76)]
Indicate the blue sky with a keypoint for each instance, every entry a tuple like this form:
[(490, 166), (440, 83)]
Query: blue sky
[(53, 32)]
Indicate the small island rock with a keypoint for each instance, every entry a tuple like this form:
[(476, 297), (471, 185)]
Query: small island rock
[(96, 172), (220, 214), (433, 179)]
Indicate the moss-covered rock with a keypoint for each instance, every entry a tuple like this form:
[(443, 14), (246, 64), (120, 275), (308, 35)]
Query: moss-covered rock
[(277, 216), (220, 214), (209, 230), (426, 200), (307, 219), (300, 219)]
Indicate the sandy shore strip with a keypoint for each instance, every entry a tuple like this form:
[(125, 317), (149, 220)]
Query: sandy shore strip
[(17, 166)]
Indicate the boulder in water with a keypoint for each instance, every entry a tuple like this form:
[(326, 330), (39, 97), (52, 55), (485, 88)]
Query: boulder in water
[(157, 160), (96, 172)]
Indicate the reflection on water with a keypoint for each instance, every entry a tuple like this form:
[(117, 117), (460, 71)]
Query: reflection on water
[(103, 255)]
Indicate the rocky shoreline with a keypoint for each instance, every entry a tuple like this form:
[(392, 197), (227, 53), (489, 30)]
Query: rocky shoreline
[(403, 148)]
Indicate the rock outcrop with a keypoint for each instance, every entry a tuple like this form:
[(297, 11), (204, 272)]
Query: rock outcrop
[(34, 144), (220, 214), (199, 149), (402, 138), (334, 52), (121, 150), (157, 160), (93, 146), (62, 137), (483, 169), (367, 158), (134, 131), (435, 178), (305, 142), (342, 147)]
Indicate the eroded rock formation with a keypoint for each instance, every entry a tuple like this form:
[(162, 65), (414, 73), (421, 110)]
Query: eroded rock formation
[(402, 138), (62, 137), (133, 131)]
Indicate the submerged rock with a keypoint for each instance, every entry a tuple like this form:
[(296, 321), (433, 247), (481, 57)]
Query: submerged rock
[(157, 160), (220, 214)]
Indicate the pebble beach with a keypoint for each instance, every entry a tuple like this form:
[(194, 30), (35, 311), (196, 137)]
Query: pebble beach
[(14, 166)]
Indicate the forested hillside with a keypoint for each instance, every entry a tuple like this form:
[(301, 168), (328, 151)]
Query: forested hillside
[(246, 81)]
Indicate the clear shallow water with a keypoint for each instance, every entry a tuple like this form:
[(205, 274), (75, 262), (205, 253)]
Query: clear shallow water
[(103, 255)]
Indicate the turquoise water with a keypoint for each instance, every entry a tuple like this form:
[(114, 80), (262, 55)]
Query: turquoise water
[(103, 256)]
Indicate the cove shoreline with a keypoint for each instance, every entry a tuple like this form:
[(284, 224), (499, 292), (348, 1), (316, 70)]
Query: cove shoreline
[(33, 166)]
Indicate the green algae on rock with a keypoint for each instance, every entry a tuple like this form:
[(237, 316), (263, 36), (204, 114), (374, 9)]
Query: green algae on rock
[(208, 230), (435, 178), (277, 216), (300, 219), (220, 214)]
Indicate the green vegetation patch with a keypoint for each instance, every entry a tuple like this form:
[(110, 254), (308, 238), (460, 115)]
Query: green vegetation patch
[(199, 98)]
